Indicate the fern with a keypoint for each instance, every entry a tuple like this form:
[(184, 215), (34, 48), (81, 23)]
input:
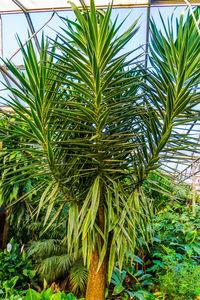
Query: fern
[(78, 276), (55, 264), (47, 248), (55, 267)]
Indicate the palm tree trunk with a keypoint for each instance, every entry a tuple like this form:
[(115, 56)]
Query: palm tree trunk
[(97, 281), (5, 230), (96, 285), (2, 217), (4, 226)]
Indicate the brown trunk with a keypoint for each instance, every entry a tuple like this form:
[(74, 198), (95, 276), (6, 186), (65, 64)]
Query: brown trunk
[(2, 224), (96, 285), (5, 231)]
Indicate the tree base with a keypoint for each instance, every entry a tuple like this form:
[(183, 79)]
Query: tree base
[(96, 285)]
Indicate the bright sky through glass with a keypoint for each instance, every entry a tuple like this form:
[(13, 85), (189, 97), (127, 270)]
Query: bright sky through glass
[(15, 24)]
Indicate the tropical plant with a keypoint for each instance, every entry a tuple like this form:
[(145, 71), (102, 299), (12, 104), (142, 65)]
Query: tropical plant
[(129, 283), (17, 214), (49, 295), (177, 231), (54, 264), (8, 291), (158, 190), (16, 271), (173, 79), (89, 128), (176, 276), (174, 258)]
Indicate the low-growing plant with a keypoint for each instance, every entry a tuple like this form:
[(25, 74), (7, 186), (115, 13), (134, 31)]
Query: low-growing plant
[(8, 291), (49, 295), (16, 271), (181, 281), (178, 229), (177, 276), (129, 283), (54, 263)]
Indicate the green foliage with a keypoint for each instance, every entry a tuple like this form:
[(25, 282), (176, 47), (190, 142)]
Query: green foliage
[(54, 263), (8, 291), (16, 271), (157, 189), (52, 258), (78, 275), (179, 278), (73, 121), (175, 253), (22, 195), (182, 281), (130, 283), (49, 295), (178, 229), (162, 191)]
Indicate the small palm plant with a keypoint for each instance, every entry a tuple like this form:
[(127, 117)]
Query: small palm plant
[(97, 129), (54, 264)]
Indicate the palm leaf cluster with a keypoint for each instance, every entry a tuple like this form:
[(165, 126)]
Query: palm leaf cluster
[(173, 85), (55, 264), (97, 124)]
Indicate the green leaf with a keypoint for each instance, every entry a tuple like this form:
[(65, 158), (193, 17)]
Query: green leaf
[(118, 289)]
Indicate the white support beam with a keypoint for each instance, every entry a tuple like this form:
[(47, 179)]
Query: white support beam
[(166, 3), (8, 6)]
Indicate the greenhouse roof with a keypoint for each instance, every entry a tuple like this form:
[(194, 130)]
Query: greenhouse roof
[(16, 6)]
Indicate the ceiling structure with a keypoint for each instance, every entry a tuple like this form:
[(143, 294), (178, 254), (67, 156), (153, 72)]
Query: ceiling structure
[(20, 6), (15, 6)]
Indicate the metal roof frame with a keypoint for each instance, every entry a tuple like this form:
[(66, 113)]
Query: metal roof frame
[(20, 6), (61, 5), (29, 21), (162, 3)]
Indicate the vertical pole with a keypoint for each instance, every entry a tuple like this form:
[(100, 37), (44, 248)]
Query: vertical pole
[(1, 36), (194, 188), (147, 34)]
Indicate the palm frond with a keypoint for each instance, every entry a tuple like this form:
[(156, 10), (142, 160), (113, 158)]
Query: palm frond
[(78, 275)]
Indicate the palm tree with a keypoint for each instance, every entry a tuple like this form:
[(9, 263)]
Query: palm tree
[(97, 124)]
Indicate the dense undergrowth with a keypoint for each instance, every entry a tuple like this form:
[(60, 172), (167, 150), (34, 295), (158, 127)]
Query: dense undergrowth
[(167, 269)]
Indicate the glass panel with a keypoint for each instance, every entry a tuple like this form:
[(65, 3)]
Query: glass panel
[(54, 25), (165, 13), (14, 25), (8, 5), (139, 40)]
